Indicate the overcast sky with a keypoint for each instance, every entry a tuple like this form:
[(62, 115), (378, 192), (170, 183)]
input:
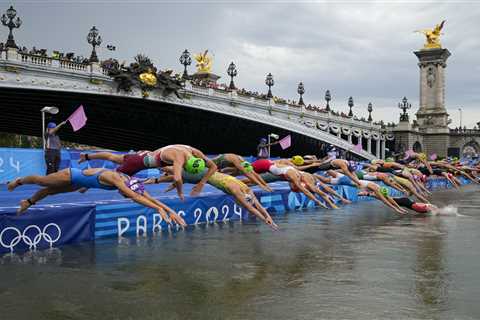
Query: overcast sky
[(360, 49)]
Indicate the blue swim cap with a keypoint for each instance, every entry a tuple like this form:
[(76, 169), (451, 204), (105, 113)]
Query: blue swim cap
[(51, 125)]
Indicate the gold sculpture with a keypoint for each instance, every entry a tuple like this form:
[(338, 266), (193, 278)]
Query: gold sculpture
[(204, 62), (148, 78), (432, 36)]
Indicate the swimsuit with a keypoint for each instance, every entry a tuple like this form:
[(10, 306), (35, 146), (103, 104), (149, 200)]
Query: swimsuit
[(415, 206), (218, 180), (279, 171), (269, 177), (79, 179), (133, 163), (221, 162)]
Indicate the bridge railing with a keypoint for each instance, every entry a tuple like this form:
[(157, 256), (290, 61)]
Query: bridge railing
[(53, 62)]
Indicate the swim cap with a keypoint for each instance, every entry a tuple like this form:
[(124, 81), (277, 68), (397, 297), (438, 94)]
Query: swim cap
[(374, 161), (352, 166), (263, 140), (384, 191), (298, 160), (51, 125), (194, 165), (422, 156), (247, 166), (390, 159), (135, 185)]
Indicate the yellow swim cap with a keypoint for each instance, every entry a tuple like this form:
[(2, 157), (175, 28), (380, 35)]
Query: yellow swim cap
[(422, 156), (298, 160)]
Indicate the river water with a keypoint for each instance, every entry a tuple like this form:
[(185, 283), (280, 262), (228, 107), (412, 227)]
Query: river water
[(359, 262)]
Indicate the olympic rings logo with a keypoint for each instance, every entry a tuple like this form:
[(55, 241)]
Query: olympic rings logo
[(31, 236)]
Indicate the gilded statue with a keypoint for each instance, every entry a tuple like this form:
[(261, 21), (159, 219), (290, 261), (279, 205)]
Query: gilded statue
[(432, 36), (204, 62)]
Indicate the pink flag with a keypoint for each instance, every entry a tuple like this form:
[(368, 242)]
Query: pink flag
[(433, 156), (286, 142), (78, 118), (358, 147)]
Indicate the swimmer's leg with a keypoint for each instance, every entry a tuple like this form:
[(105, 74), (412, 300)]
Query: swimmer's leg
[(116, 158)]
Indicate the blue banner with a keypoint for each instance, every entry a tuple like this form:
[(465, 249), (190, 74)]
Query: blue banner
[(42, 228), (19, 162)]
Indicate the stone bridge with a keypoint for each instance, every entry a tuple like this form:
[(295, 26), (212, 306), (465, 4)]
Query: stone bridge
[(214, 120)]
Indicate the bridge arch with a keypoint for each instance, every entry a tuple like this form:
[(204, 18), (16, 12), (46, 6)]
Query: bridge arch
[(470, 148)]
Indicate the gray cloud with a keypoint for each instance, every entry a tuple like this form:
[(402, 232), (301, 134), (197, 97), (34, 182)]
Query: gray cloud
[(358, 49)]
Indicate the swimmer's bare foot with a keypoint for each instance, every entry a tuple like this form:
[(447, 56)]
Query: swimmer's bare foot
[(83, 158), (346, 201), (13, 184), (24, 205)]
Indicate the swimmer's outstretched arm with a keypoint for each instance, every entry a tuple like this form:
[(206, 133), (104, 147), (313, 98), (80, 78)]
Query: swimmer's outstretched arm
[(322, 178), (173, 215), (333, 192), (212, 168)]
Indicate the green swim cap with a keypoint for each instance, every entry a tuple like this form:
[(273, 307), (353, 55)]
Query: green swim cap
[(194, 165), (384, 191), (247, 166), (390, 159)]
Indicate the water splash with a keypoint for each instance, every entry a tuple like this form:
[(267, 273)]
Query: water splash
[(449, 210)]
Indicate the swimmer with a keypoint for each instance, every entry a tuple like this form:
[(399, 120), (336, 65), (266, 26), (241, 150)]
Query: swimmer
[(185, 157), (405, 202), (310, 183), (386, 178), (340, 179), (181, 156), (73, 179), (233, 164), (228, 184)]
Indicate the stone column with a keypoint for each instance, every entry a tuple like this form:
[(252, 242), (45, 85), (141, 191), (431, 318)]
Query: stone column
[(350, 138), (369, 145), (378, 148), (383, 148)]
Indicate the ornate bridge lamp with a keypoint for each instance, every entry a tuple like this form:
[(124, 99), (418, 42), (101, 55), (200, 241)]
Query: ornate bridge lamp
[(7, 20), (269, 82), (232, 72), (94, 39), (370, 109), (328, 97), (301, 91), (404, 106), (350, 105), (186, 60)]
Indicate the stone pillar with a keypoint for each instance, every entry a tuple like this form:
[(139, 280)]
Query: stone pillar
[(432, 115), (378, 148), (12, 54), (383, 148), (339, 134), (350, 138), (369, 145)]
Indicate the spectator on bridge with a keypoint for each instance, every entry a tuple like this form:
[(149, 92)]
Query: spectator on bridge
[(52, 147)]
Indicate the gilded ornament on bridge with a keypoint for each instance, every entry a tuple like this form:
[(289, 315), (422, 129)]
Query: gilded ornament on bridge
[(204, 62), (432, 36), (148, 78), (142, 74)]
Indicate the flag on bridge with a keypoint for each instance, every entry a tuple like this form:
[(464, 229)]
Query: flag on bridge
[(358, 147), (286, 142), (78, 118), (433, 156)]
